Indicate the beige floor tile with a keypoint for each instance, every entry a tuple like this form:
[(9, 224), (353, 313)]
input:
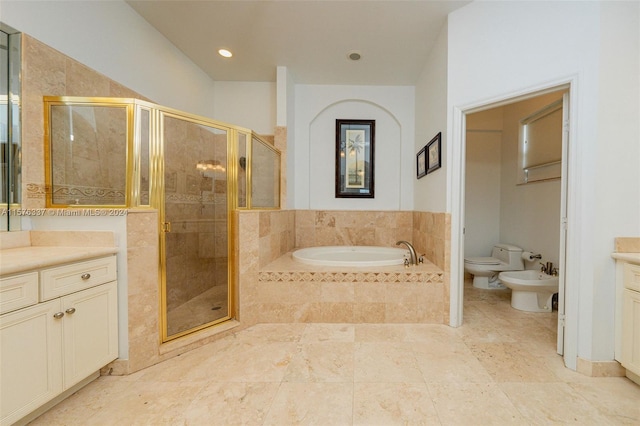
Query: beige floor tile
[(269, 333), (393, 404), (617, 397), (328, 333), (79, 407), (380, 333), (473, 404), (385, 362), (262, 362), (312, 404), (499, 368), (321, 362), (449, 363), (139, 403), (552, 403), (509, 362), (224, 403)]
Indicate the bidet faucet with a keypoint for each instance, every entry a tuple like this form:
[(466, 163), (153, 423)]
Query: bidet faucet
[(412, 251), (548, 269)]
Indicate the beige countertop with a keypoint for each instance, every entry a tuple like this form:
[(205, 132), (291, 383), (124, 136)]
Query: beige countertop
[(21, 259), (627, 257)]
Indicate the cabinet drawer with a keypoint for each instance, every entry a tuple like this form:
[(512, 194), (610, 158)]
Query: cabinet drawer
[(56, 282), (632, 276), (18, 292)]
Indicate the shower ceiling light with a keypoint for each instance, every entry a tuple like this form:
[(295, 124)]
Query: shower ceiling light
[(224, 52)]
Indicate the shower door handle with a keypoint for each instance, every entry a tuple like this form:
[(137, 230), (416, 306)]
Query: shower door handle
[(166, 227)]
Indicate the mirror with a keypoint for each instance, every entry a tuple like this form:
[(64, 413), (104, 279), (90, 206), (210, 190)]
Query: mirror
[(10, 135)]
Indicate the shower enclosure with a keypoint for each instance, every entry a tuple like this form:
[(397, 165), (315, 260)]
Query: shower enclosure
[(125, 153)]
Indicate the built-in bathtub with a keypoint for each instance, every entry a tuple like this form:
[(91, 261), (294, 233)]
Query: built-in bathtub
[(353, 256), (287, 290)]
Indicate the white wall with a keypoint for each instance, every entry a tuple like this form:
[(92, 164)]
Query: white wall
[(482, 192), (247, 104), (525, 46), (483, 162), (286, 116), (111, 38), (317, 108), (431, 118)]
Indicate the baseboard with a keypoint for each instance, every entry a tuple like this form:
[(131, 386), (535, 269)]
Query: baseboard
[(633, 377), (600, 368)]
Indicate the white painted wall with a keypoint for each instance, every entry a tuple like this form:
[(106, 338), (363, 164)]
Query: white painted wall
[(317, 108), (247, 104), (482, 192), (286, 116), (483, 164), (431, 118), (111, 38), (525, 46)]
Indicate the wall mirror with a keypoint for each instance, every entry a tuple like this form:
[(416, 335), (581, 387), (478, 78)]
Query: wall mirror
[(10, 130)]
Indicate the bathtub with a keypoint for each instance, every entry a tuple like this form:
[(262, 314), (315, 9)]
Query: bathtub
[(351, 256)]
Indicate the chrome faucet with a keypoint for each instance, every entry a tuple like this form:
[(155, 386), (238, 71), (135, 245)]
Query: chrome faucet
[(548, 269), (412, 251)]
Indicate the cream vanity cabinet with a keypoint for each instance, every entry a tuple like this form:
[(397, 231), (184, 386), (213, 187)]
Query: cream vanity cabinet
[(60, 337), (631, 319), (627, 313)]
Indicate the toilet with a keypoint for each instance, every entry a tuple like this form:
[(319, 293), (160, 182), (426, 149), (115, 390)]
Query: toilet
[(485, 270)]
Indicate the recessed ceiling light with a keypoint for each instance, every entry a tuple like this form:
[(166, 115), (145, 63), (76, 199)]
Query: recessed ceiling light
[(225, 53), (354, 56)]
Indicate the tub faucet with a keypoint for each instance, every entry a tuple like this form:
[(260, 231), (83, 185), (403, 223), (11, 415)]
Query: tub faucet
[(412, 251)]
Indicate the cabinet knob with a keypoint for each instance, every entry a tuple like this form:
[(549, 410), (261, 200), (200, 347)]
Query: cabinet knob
[(71, 311), (58, 315), (85, 276)]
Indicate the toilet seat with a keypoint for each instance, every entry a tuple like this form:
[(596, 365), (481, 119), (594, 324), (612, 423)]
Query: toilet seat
[(482, 261)]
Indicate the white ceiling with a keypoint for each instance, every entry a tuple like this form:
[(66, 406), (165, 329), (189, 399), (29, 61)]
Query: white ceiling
[(311, 38)]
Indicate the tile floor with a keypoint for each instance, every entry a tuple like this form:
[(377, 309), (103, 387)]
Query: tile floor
[(499, 368)]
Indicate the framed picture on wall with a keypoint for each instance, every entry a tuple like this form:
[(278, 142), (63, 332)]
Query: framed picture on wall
[(355, 142), (421, 163), (433, 153)]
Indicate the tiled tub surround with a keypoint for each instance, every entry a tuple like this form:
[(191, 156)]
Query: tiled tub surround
[(275, 288), (288, 291)]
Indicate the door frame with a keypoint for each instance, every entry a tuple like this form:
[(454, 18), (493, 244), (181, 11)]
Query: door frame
[(456, 205)]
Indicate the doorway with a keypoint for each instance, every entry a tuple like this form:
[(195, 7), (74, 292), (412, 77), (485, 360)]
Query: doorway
[(498, 205)]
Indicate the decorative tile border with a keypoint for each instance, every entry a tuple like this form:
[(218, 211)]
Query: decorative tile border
[(348, 277)]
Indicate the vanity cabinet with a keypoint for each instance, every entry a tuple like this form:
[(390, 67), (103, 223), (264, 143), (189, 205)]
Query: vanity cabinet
[(630, 354), (65, 337)]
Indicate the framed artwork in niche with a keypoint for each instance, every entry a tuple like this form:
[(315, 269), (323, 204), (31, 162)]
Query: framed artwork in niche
[(355, 142), (434, 156)]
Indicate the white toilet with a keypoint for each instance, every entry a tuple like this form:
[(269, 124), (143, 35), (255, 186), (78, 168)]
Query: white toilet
[(485, 270)]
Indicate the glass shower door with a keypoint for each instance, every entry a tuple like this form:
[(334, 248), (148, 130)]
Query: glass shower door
[(195, 238)]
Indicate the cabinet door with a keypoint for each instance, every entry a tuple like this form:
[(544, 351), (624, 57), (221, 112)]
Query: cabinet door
[(90, 334), (631, 331), (30, 359)]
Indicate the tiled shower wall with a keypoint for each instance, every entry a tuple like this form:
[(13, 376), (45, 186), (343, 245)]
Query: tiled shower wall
[(47, 72)]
